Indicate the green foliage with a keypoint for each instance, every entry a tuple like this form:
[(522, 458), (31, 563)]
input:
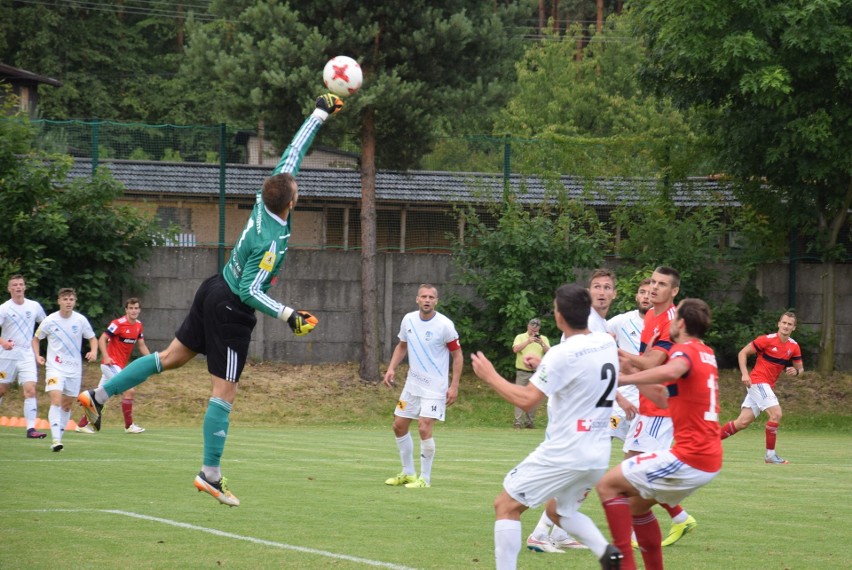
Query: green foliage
[(775, 81), (589, 108), (515, 259), (428, 67), (66, 236)]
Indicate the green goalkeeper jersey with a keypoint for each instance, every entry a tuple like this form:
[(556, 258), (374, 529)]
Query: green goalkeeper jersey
[(259, 253)]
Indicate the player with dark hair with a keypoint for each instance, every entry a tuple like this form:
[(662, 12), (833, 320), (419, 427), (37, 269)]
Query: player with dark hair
[(776, 353), (629, 490), (63, 367), (579, 378), (116, 344), (652, 428), (221, 319)]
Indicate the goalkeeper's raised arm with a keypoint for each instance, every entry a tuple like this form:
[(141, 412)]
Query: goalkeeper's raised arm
[(259, 253)]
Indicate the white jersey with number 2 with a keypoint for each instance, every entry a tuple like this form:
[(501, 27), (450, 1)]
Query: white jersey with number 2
[(579, 377)]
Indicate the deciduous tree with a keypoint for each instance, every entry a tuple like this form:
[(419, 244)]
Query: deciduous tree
[(776, 81)]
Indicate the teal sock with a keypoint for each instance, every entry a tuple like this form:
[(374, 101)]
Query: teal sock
[(133, 374), (215, 429)]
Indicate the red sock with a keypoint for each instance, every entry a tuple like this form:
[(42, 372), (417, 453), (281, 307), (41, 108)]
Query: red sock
[(84, 421), (673, 511), (771, 434), (729, 429), (618, 518), (649, 537), (127, 410)]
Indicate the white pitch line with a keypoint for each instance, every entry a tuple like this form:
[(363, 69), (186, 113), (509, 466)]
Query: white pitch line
[(251, 539)]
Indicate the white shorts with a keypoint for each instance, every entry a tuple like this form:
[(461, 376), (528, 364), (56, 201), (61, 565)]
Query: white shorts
[(759, 397), (108, 371), (69, 384), (413, 407), (663, 477), (533, 483), (649, 433), (24, 370), (619, 423)]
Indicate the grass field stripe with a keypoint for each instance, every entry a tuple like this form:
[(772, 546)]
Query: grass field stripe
[(280, 545)]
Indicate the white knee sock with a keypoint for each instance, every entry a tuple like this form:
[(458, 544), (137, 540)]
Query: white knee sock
[(427, 455), (542, 529), (406, 453), (583, 529), (30, 411), (54, 416), (507, 543)]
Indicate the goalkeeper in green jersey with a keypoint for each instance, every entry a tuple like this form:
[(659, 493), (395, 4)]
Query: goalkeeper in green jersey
[(222, 315)]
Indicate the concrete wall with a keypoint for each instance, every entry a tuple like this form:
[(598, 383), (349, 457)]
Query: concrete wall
[(327, 283)]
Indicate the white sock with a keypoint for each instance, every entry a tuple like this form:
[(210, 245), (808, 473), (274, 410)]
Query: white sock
[(681, 518), (582, 527), (542, 529), (54, 416), (507, 543), (101, 395), (427, 456), (213, 474), (406, 453), (30, 411), (64, 416), (559, 535)]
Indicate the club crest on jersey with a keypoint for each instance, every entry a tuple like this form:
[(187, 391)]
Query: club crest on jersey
[(268, 261), (429, 336)]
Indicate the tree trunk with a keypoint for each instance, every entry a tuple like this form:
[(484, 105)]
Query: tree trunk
[(369, 369), (600, 18), (825, 361), (828, 336)]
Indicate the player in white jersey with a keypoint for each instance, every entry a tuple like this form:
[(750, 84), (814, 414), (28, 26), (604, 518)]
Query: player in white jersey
[(429, 339), (547, 537), (579, 379), (18, 319), (64, 330), (627, 328)]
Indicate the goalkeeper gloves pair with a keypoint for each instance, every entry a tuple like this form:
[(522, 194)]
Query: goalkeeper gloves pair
[(301, 322)]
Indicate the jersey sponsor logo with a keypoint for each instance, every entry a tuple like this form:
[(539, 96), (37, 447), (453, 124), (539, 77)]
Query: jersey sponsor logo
[(268, 261), (128, 340), (589, 424)]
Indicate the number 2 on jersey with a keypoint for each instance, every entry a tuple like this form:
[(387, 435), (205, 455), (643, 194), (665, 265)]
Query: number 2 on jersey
[(607, 373)]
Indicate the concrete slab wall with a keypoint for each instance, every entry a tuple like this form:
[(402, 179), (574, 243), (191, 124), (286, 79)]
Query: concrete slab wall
[(327, 283)]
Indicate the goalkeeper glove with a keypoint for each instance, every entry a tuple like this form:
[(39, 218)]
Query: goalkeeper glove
[(329, 103), (302, 322)]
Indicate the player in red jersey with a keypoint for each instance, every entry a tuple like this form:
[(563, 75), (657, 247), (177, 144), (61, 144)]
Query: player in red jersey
[(629, 490), (116, 344), (776, 353), (652, 428)]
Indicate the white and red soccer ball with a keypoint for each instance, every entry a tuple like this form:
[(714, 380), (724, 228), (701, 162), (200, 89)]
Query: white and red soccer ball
[(342, 76)]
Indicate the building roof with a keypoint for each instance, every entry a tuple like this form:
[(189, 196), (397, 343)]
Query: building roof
[(23, 75), (413, 187)]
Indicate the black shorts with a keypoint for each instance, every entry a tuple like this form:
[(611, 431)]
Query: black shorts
[(220, 326)]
